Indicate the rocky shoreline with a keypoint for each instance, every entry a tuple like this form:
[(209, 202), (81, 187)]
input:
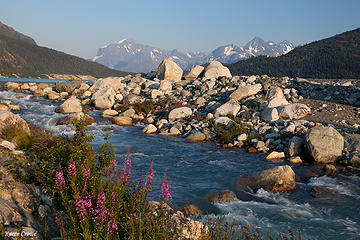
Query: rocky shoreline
[(297, 120)]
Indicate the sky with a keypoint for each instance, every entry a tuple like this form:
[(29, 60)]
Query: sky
[(81, 27)]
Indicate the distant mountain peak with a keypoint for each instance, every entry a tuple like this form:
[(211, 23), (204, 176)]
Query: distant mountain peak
[(127, 55)]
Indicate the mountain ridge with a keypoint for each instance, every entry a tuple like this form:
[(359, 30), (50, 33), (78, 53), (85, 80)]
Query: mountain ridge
[(127, 55), (334, 57), (8, 31)]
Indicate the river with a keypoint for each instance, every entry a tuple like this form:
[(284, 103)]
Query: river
[(196, 169)]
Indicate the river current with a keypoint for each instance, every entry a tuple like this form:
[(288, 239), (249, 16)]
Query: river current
[(196, 169)]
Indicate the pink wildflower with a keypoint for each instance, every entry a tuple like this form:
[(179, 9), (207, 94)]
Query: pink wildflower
[(83, 206), (126, 168), (150, 177), (165, 190), (86, 173), (60, 181), (72, 170)]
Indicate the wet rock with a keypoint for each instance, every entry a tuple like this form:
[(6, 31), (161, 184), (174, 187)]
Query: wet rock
[(295, 160), (149, 129), (71, 105), (196, 137), (330, 170), (194, 72), (230, 107), (179, 113), (246, 91), (75, 117), (109, 113), (215, 70), (122, 121), (296, 146), (169, 70), (104, 98), (221, 197), (322, 194), (324, 144), (293, 111), (276, 179), (275, 156), (191, 210)]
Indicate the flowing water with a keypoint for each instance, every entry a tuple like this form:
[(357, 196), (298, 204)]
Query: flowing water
[(196, 169)]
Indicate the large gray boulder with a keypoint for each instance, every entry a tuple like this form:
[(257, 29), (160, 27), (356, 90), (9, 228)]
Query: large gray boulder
[(179, 113), (276, 102), (113, 82), (278, 179), (169, 70), (71, 105), (324, 144), (194, 72), (230, 107), (274, 92), (68, 86), (104, 98), (215, 69), (270, 114), (8, 119), (246, 91), (293, 111)]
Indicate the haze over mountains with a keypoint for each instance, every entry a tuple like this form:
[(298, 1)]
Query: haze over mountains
[(127, 55)]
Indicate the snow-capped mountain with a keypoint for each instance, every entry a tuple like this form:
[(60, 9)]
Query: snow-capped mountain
[(126, 55), (232, 53)]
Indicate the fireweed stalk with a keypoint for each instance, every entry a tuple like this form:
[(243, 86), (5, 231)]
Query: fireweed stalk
[(99, 202)]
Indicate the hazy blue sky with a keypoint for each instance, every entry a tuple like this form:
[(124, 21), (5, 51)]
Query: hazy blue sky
[(80, 27)]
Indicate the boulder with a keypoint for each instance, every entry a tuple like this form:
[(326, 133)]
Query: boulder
[(165, 85), (251, 79), (274, 92), (215, 70), (53, 96), (223, 120), (67, 86), (295, 160), (169, 70), (75, 117), (71, 105), (196, 137), (12, 85), (8, 118), (109, 113), (278, 179), (114, 82), (275, 156), (156, 93), (149, 129), (128, 113), (104, 98), (296, 146), (122, 121), (231, 107), (293, 111), (179, 113), (221, 197), (270, 114), (194, 72), (174, 131), (324, 144), (276, 102), (246, 91)]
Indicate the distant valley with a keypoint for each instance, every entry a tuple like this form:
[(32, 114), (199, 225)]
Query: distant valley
[(127, 55)]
